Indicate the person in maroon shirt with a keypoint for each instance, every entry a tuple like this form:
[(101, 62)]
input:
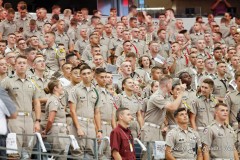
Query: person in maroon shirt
[(121, 140)]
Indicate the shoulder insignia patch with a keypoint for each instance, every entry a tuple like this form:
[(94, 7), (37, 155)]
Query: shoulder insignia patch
[(55, 102)]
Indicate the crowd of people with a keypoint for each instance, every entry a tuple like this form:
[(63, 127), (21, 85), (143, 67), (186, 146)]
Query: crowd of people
[(74, 74)]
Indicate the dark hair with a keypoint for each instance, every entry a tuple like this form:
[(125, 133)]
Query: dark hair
[(84, 67), (209, 82), (70, 55), (55, 16), (216, 49), (179, 110), (140, 61), (28, 50), (132, 7), (124, 81), (119, 111), (20, 56), (99, 71)]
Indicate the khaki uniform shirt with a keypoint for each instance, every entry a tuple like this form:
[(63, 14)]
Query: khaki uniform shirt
[(53, 57), (7, 27), (80, 45), (156, 110), (21, 92), (85, 99), (22, 23), (181, 63), (220, 139), (232, 99), (132, 103), (204, 110), (184, 143), (64, 39), (220, 87), (195, 37), (54, 104), (27, 33), (108, 107)]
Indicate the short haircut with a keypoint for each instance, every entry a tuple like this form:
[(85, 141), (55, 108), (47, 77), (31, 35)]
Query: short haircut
[(20, 56), (28, 50), (99, 71), (75, 68), (120, 112), (163, 79), (209, 81), (181, 74), (70, 55), (84, 67), (220, 104), (126, 42), (156, 68), (216, 49), (175, 114), (130, 55)]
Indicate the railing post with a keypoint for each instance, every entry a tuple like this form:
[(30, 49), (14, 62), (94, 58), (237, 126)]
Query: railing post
[(96, 148), (149, 156), (39, 156)]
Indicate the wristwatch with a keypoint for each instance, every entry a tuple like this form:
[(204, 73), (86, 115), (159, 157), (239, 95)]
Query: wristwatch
[(100, 131), (38, 120)]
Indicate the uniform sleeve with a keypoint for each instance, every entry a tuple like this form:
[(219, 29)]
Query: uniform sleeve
[(72, 96), (170, 61), (53, 106), (170, 139), (194, 107), (158, 101), (199, 141), (115, 141), (228, 101), (117, 100), (207, 136)]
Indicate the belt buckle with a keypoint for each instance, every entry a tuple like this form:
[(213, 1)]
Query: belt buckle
[(26, 114)]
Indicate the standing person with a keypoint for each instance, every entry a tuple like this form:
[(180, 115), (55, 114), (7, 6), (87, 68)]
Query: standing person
[(127, 99), (232, 99), (107, 109), (55, 117), (54, 58), (7, 109), (121, 139), (219, 137), (25, 95), (158, 104), (183, 142), (84, 106), (202, 113)]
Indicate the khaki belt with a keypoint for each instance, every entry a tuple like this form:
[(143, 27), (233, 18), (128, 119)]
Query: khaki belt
[(85, 119), (24, 114), (60, 124), (152, 125), (200, 128)]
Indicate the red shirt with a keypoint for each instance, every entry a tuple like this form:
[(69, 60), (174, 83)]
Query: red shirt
[(121, 140)]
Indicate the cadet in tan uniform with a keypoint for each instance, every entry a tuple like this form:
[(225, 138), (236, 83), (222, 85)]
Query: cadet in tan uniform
[(221, 85), (183, 142), (62, 37), (54, 58), (158, 104), (127, 99), (232, 99), (107, 109), (202, 113), (84, 106), (219, 138), (24, 94), (8, 25), (40, 79), (177, 61), (55, 120)]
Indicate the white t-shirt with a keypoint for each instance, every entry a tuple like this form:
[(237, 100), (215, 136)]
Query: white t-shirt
[(3, 113)]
